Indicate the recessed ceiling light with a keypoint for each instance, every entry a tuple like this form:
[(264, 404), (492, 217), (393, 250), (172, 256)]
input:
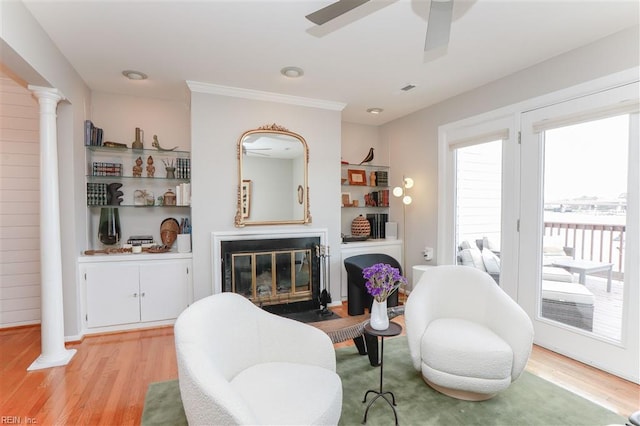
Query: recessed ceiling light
[(375, 110), (134, 75), (292, 72)]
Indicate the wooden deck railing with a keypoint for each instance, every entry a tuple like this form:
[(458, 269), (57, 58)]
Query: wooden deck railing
[(597, 242)]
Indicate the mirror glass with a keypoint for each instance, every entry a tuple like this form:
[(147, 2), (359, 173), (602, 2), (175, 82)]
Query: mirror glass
[(272, 178)]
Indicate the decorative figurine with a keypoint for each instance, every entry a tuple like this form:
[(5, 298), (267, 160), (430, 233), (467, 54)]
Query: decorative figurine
[(372, 179), (369, 157), (151, 169), (157, 146), (137, 169)]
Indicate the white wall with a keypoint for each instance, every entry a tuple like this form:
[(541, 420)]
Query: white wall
[(30, 54), (356, 141), (413, 139), (217, 122), (19, 205)]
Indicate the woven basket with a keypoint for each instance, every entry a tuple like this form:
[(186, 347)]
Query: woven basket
[(360, 227)]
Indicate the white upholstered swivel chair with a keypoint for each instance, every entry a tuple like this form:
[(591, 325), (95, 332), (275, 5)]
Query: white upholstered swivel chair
[(466, 336), (238, 364)]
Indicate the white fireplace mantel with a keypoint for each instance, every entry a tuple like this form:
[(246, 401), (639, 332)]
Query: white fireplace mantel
[(258, 234)]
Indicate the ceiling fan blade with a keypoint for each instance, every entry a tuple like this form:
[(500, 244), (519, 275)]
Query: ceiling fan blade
[(439, 24), (334, 10)]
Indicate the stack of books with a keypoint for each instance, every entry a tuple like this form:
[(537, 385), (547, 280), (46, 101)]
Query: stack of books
[(377, 198), (183, 194), (183, 168), (92, 135), (106, 169), (140, 239), (382, 178), (377, 222)]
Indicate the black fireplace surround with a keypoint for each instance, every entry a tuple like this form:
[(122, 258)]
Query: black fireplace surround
[(281, 275)]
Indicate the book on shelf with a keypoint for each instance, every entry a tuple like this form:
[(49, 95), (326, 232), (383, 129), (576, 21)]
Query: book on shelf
[(141, 239), (377, 198), (183, 194), (377, 222), (183, 168), (382, 178), (93, 135), (99, 168)]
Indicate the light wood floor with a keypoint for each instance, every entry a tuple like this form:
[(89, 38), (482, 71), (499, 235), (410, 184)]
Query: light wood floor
[(105, 383)]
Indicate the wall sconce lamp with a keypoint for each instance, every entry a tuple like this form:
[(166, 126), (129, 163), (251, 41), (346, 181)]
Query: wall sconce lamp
[(401, 192)]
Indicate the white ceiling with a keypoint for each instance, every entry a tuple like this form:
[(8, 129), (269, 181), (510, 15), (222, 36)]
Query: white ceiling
[(361, 59)]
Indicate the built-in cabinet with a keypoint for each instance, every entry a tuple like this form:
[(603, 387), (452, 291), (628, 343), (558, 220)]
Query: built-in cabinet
[(129, 291), (365, 191)]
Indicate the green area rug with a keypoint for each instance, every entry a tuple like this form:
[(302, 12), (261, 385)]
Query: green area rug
[(529, 401)]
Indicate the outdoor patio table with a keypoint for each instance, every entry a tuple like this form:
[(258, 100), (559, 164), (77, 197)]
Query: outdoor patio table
[(584, 267)]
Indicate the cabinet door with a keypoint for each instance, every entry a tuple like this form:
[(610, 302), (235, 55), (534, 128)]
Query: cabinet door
[(113, 295), (163, 289)]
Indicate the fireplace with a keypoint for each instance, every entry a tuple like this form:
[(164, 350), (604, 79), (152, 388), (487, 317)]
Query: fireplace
[(278, 272)]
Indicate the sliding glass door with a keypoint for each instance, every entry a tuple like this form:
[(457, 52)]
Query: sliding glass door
[(578, 274)]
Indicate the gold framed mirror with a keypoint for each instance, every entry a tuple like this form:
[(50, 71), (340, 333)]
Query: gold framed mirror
[(272, 177)]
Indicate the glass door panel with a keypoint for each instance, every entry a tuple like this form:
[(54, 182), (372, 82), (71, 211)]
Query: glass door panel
[(478, 206), (585, 204), (578, 266), (303, 270)]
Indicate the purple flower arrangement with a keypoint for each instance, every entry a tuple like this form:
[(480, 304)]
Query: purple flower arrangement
[(382, 280)]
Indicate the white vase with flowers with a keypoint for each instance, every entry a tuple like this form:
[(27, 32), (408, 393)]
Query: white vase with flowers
[(382, 280)]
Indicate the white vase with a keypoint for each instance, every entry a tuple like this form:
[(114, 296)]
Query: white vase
[(379, 317)]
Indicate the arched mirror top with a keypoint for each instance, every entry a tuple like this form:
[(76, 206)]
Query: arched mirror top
[(272, 177)]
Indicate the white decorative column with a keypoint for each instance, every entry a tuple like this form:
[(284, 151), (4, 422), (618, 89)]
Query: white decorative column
[(53, 351)]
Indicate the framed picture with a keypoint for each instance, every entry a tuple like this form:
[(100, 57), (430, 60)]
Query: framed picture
[(346, 199), (357, 177), (246, 198)]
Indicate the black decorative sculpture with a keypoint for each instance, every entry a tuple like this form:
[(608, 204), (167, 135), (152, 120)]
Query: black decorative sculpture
[(114, 195)]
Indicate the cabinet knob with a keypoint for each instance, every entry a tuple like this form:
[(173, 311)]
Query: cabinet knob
[(142, 294), (135, 294)]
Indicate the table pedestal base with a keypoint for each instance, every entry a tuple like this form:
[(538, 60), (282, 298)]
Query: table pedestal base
[(391, 403)]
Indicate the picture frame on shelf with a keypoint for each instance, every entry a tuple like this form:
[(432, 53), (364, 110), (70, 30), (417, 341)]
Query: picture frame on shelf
[(357, 177), (246, 198), (346, 199)]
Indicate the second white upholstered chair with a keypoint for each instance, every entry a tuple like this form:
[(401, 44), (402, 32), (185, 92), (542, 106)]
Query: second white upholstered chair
[(466, 336)]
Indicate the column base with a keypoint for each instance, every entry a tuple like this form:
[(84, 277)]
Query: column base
[(45, 362)]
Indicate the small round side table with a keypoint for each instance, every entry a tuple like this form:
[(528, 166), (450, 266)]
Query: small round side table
[(394, 329)]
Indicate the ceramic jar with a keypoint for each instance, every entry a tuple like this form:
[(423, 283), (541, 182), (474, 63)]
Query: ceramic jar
[(169, 198)]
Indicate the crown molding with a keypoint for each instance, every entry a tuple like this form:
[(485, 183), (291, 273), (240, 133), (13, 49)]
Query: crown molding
[(237, 92)]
